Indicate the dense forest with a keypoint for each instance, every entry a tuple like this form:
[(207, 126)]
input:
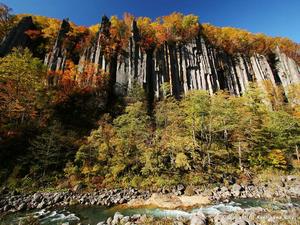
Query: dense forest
[(61, 127)]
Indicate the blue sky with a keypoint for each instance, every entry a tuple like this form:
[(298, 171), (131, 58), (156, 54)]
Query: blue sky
[(272, 17)]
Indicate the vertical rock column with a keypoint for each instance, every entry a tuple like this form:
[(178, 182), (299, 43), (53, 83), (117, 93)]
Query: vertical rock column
[(56, 59), (287, 69), (195, 65)]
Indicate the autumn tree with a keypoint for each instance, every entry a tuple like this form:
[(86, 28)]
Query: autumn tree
[(196, 107), (22, 76), (94, 156), (147, 33), (178, 27), (172, 137), (282, 135), (114, 151), (132, 134), (238, 41)]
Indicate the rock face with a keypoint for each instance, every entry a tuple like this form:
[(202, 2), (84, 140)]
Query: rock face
[(17, 36), (192, 66), (95, 53), (55, 60)]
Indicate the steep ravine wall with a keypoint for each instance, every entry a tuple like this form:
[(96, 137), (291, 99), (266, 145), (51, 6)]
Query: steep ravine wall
[(192, 65)]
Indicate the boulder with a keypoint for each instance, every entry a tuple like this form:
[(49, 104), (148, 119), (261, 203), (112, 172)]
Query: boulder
[(180, 187), (291, 178), (125, 219), (7, 207), (294, 191), (21, 207), (224, 189), (236, 190), (4, 190), (136, 216), (37, 197), (117, 218), (109, 221), (198, 219), (41, 205)]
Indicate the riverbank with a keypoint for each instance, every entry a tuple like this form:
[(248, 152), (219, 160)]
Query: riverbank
[(251, 216), (243, 211), (180, 197), (286, 188)]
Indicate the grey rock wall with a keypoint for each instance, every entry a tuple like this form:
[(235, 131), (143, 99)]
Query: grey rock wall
[(56, 59), (196, 65)]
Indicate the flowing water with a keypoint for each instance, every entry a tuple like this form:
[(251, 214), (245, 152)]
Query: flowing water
[(94, 214)]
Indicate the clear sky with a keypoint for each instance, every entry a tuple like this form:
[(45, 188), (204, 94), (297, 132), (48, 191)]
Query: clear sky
[(272, 17)]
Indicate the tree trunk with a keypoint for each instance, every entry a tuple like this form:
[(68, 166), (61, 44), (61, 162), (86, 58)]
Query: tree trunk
[(208, 159), (297, 153), (194, 134), (240, 157)]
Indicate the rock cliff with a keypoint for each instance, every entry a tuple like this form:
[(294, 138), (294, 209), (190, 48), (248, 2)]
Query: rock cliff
[(55, 60), (192, 65)]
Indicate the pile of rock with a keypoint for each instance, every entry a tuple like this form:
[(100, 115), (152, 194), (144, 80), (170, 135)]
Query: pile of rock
[(251, 216), (16, 202), (177, 190), (119, 219), (257, 215), (288, 187)]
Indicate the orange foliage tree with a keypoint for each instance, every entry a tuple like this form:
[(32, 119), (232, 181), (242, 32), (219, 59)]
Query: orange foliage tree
[(72, 81), (172, 28), (234, 41)]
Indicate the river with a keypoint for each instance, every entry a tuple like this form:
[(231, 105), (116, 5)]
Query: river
[(94, 214)]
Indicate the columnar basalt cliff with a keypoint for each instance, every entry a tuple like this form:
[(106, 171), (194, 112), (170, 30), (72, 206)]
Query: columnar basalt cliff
[(185, 65), (193, 65)]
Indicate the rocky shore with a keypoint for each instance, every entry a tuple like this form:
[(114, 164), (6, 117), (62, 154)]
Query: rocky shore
[(13, 201), (288, 187), (176, 197), (253, 216)]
